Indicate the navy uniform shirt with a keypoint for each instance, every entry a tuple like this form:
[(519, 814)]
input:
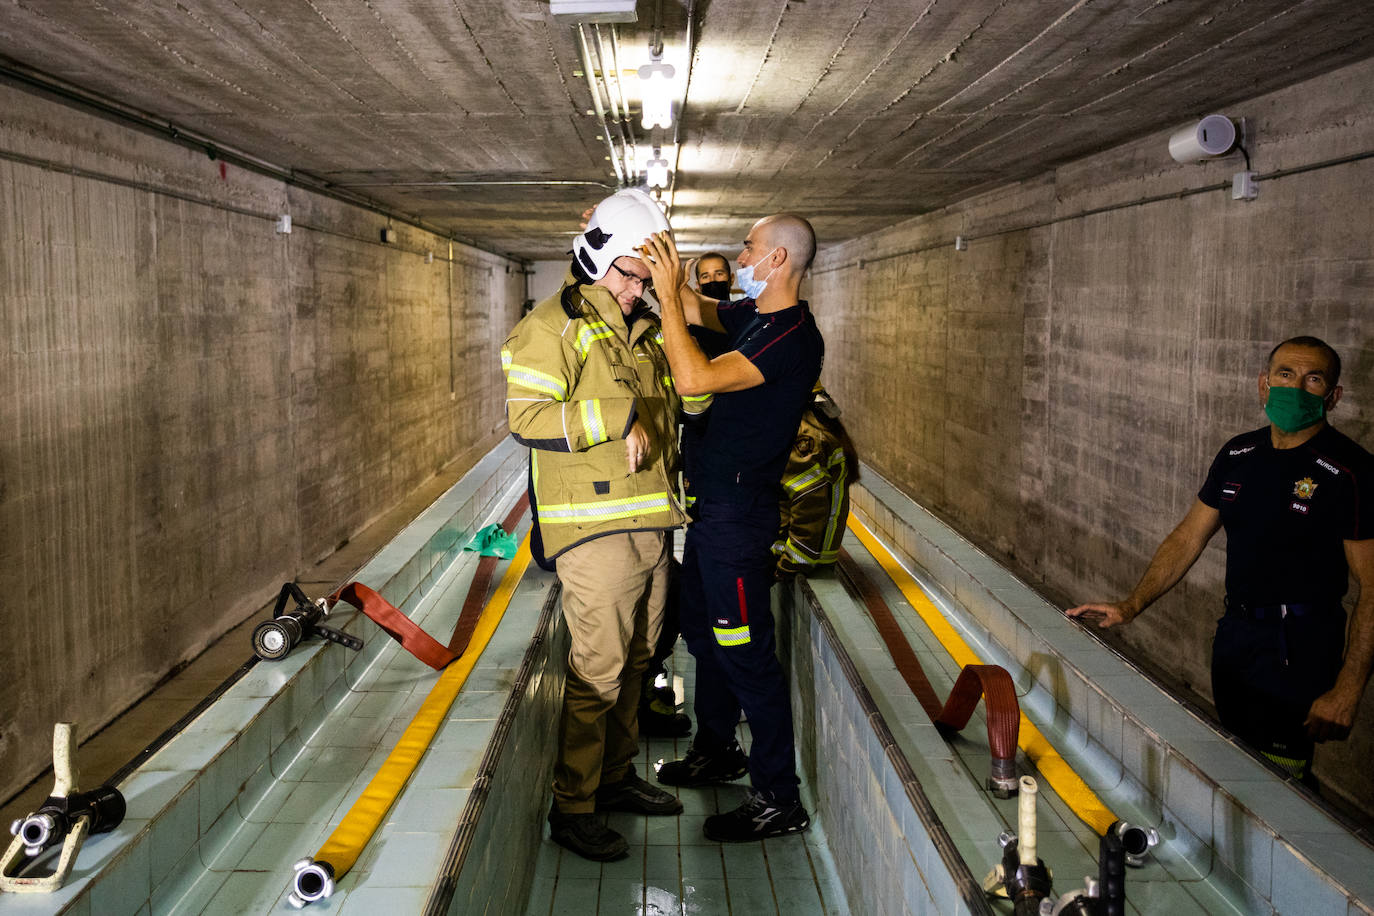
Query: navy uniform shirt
[(1287, 512), (743, 451), (713, 344)]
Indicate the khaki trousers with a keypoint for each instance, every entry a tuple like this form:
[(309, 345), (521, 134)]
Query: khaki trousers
[(614, 591)]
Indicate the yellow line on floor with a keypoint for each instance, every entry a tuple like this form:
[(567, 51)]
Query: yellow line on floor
[(347, 841), (1054, 768)]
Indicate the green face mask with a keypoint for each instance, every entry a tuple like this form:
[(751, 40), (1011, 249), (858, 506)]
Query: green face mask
[(1292, 409)]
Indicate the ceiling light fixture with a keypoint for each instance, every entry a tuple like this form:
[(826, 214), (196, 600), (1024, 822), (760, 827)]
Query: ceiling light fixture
[(574, 12), (656, 170), (656, 84)]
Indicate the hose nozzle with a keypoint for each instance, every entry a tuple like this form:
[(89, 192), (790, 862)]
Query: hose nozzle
[(1021, 876), (1002, 781), (1137, 841), (275, 638), (313, 881), (51, 824)]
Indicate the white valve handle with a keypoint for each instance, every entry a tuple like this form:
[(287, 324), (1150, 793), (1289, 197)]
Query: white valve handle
[(1025, 810)]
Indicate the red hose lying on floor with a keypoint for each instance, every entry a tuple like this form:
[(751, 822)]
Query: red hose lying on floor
[(991, 683), (411, 637)]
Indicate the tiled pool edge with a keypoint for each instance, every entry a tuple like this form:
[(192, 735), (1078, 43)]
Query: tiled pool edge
[(488, 861), (1230, 816), (231, 753), (885, 836)]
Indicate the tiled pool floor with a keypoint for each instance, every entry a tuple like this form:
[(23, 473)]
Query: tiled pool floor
[(673, 869)]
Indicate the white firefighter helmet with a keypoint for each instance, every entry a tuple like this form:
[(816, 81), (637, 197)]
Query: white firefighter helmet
[(619, 224)]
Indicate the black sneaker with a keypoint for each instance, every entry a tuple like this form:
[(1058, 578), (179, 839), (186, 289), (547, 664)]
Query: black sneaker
[(657, 720), (585, 835), (698, 769), (636, 796), (757, 819)]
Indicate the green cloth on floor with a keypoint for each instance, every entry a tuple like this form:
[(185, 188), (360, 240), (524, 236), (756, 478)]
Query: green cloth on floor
[(493, 541)]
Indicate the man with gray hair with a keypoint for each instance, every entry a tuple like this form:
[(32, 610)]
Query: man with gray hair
[(1297, 500)]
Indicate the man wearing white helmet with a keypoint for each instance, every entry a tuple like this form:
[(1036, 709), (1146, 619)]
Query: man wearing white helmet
[(589, 391)]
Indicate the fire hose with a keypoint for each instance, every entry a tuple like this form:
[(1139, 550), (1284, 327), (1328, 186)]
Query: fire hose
[(1135, 840), (991, 683), (315, 876)]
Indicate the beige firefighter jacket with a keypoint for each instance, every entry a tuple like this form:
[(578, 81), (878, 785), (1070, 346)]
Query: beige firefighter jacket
[(815, 503), (574, 388)]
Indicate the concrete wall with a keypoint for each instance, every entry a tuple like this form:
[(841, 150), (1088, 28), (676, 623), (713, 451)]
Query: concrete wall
[(196, 408), (547, 278), (1057, 390)]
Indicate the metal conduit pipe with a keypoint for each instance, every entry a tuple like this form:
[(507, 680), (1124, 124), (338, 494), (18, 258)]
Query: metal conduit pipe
[(596, 102), (686, 87), (632, 149), (615, 63), (625, 132), (602, 69), (475, 184)]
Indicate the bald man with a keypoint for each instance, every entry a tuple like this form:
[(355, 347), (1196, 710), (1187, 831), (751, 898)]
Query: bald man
[(761, 385)]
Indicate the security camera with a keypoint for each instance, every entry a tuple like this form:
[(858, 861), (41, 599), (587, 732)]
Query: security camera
[(1214, 135)]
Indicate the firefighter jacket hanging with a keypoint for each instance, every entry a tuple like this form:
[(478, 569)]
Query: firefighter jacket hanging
[(579, 374), (815, 500)]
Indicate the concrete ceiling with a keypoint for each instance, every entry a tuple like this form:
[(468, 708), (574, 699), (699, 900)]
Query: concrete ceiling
[(473, 114)]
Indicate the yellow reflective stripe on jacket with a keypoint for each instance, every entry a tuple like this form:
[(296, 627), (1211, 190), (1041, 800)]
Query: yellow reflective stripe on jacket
[(696, 398), (805, 479), (538, 381), (833, 525), (731, 636), (798, 553), (593, 423), (505, 359), (590, 334), (603, 510)]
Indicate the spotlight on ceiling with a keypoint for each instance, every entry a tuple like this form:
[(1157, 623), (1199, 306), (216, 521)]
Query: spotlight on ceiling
[(571, 12), (1214, 135)]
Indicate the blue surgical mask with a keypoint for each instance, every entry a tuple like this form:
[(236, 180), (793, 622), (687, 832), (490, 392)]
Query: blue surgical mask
[(745, 278)]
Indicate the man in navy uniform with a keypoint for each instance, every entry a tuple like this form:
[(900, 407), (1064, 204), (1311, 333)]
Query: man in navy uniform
[(1297, 500), (761, 385)]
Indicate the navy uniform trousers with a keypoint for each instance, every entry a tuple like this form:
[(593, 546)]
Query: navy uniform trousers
[(727, 622), (1268, 667)]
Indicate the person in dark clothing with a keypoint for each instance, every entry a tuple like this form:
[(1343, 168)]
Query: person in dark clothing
[(761, 387), (658, 715), (1297, 503)]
